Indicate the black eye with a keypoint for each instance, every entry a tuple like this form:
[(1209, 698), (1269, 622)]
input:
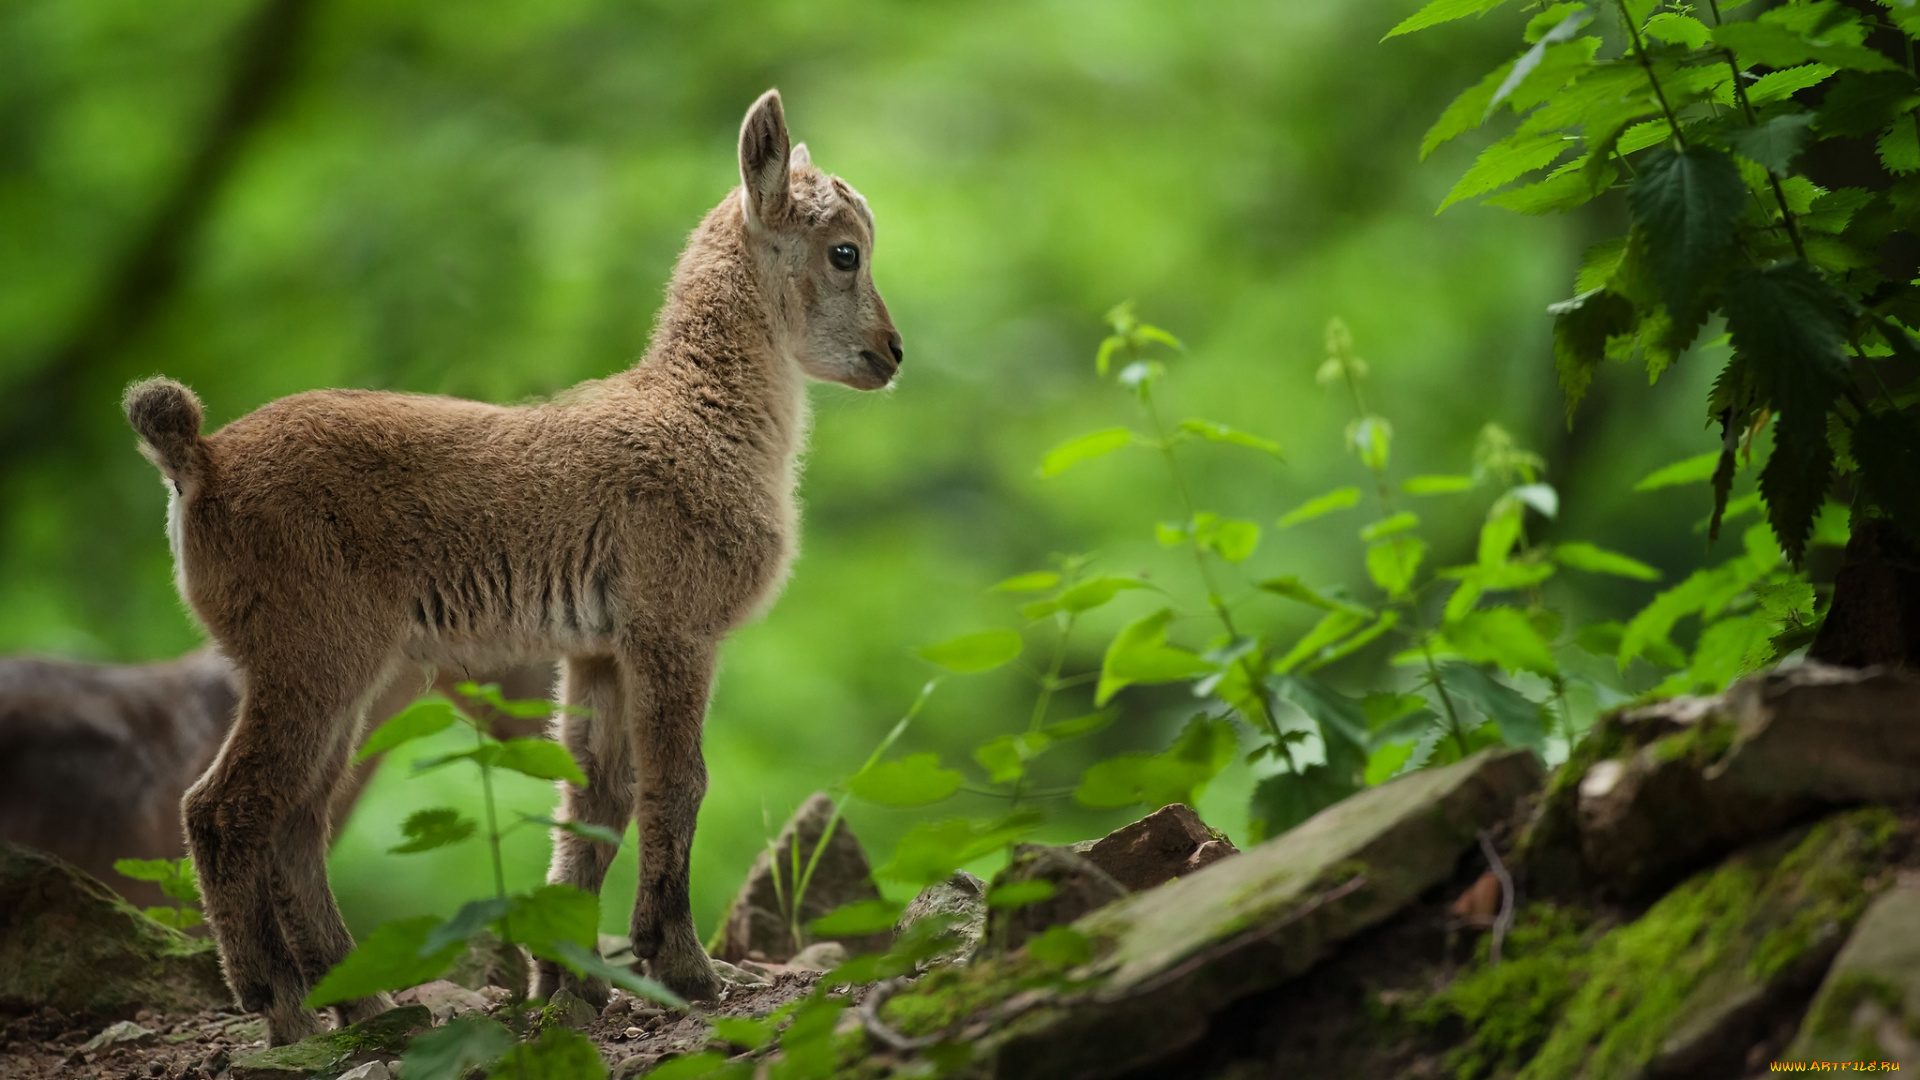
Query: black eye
[(844, 256)]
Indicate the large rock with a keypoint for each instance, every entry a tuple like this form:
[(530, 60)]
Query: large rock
[(1868, 1008), (1654, 793), (68, 941), (1162, 961), (963, 898), (757, 923), (1693, 985), (1166, 844), (1079, 887)]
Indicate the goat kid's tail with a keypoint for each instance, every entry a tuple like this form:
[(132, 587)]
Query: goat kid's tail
[(167, 418)]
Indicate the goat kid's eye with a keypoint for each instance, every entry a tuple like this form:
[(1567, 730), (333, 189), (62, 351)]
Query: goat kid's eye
[(844, 256)]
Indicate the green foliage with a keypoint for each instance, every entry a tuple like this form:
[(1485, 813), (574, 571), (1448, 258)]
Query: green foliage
[(435, 828), (450, 1052), (176, 880), (560, 1053)]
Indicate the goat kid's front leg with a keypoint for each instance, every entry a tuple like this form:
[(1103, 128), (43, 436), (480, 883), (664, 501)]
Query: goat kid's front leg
[(598, 741), (675, 676)]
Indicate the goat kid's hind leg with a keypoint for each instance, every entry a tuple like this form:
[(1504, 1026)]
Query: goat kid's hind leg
[(599, 741), (674, 677), (236, 816)]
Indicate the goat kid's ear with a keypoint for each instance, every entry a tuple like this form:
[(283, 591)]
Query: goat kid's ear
[(763, 159), (801, 159)]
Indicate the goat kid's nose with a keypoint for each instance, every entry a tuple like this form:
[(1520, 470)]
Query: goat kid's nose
[(893, 346)]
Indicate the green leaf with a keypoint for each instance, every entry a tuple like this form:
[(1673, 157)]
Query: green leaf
[(1436, 12), (425, 717), (521, 709), (1503, 636), (1037, 581), (706, 1065), (931, 851), (468, 921), (1676, 29), (1333, 626), (1694, 470), (1506, 161), (1019, 894), (1390, 526), (174, 876), (1582, 329), (1284, 801), (1006, 757), (1214, 432), (1178, 775), (1776, 46), (1859, 104), (597, 833), (587, 963), (180, 918), (1505, 521), (1520, 721), (541, 759), (1772, 143), (1793, 327), (1781, 85), (1731, 648), (1531, 61), (550, 915), (1385, 763), (973, 653), (429, 829), (1103, 359), (1899, 148), (743, 1031), (560, 1053), (1395, 718), (387, 960), (1371, 439), (1139, 654), (1468, 111), (808, 1049), (466, 1043), (1393, 563), (1060, 946), (1321, 505), (1293, 589), (1232, 540), (1342, 721), (1386, 621), (1573, 184), (1688, 203), (1703, 590), (915, 780), (1095, 592), (858, 919), (1085, 448), (1596, 560), (1436, 485)]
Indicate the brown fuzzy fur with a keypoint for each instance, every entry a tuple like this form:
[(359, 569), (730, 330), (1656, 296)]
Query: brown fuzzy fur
[(332, 538)]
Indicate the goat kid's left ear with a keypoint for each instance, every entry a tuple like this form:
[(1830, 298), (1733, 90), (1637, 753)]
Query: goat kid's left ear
[(800, 158), (764, 159)]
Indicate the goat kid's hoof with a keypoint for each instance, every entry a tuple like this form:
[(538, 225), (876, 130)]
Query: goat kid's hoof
[(691, 977), (286, 1028), (365, 1008)]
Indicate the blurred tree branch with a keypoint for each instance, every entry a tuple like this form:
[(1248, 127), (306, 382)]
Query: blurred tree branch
[(40, 409)]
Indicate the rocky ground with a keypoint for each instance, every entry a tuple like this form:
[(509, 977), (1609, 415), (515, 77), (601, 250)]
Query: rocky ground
[(1709, 887)]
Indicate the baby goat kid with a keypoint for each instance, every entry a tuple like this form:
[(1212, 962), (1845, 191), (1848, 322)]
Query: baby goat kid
[(331, 538)]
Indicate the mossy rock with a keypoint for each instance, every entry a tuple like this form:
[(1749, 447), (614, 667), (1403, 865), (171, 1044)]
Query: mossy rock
[(1688, 987), (68, 941), (1868, 1007), (377, 1038), (1164, 960)]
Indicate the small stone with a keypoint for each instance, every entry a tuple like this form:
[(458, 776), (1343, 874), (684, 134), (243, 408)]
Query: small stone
[(634, 1032), (372, 1070), (1478, 905), (122, 1032), (1158, 848), (756, 923), (820, 956), (567, 1009), (963, 896), (444, 999), (736, 975)]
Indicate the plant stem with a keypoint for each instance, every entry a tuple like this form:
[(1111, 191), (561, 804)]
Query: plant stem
[(1446, 700), (1659, 94), (1746, 106), (1044, 699)]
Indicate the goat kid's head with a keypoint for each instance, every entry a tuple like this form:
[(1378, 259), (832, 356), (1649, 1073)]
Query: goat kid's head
[(812, 237)]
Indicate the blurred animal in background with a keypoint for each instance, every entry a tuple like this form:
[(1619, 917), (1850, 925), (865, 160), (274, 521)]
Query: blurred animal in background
[(95, 758)]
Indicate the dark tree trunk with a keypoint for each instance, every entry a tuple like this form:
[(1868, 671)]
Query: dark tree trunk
[(1875, 617)]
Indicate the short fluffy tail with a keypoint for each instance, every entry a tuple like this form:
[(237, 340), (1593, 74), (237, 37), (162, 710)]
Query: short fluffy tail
[(167, 417)]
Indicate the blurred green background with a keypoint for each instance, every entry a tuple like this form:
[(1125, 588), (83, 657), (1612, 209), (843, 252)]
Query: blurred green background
[(485, 199)]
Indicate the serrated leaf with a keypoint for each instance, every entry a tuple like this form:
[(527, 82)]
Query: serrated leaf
[(1085, 448), (1342, 720), (1582, 328), (1521, 722), (1776, 46), (466, 1043), (1321, 505), (1284, 801), (1530, 61), (1572, 185), (1393, 564), (1506, 161), (1597, 560), (1694, 470), (1502, 636), (388, 959), (1772, 143), (915, 780), (1781, 85), (550, 915), (435, 828), (1468, 111), (857, 919), (1436, 12), (1860, 104), (974, 653), (468, 921), (1688, 203), (1899, 148), (560, 1053), (1793, 326), (427, 716), (1037, 581), (932, 851), (1677, 29)]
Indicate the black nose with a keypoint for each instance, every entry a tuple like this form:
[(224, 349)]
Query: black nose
[(893, 345)]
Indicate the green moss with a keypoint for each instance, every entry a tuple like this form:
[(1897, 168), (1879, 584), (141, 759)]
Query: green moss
[(949, 995), (386, 1035), (1508, 1011), (1738, 924), (1699, 745), (1832, 1023)]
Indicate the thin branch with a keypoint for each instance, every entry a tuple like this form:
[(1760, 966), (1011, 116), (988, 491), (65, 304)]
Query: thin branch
[(1503, 922)]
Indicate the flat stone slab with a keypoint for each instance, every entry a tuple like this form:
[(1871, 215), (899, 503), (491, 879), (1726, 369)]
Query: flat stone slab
[(68, 941), (1868, 1007), (1165, 959)]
